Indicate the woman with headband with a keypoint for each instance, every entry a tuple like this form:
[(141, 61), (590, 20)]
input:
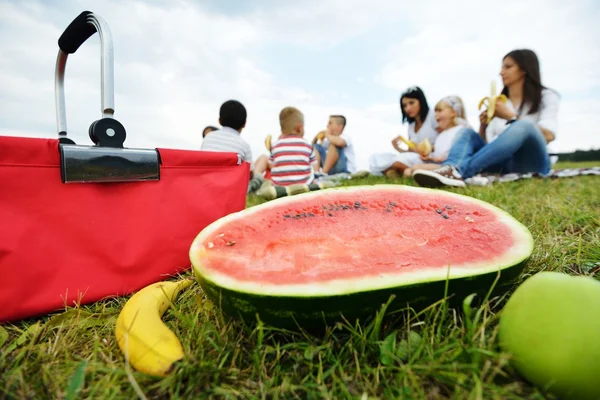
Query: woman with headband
[(515, 140), (421, 126), (451, 118)]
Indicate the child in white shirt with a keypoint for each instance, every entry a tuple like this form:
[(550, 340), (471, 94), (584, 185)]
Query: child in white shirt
[(451, 119)]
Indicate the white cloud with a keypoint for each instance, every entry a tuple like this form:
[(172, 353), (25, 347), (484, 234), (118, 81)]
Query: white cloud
[(177, 62), (319, 24)]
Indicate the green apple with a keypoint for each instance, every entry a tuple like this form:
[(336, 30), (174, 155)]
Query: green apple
[(551, 327)]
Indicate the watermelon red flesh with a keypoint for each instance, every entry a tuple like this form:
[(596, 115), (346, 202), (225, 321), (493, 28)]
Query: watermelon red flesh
[(346, 241)]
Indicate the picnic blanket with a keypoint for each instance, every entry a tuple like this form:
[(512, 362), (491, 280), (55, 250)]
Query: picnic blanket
[(489, 179)]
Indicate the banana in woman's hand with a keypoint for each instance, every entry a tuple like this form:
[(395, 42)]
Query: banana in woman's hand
[(490, 101), (268, 142), (411, 145), (423, 147), (149, 345)]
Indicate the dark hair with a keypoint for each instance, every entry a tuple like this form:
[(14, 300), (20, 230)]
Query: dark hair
[(414, 92), (527, 60), (341, 120), (208, 130), (232, 114)]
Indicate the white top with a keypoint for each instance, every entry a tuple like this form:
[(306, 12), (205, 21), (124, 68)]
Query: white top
[(348, 151), (427, 130), (227, 140), (444, 142), (546, 116)]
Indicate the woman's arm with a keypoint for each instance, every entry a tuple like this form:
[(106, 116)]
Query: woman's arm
[(547, 119), (483, 125), (548, 122)]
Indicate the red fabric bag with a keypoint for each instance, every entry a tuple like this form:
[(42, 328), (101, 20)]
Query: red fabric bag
[(76, 230)]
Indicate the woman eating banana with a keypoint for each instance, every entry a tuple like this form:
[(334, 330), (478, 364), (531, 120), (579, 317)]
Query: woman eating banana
[(422, 128), (516, 138)]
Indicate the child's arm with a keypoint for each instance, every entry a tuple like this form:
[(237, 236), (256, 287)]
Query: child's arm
[(439, 159), (434, 159)]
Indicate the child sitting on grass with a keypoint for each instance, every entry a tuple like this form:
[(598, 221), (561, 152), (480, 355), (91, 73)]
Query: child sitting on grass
[(451, 118), (292, 159)]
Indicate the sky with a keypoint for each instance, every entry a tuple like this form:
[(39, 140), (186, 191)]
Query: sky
[(177, 61)]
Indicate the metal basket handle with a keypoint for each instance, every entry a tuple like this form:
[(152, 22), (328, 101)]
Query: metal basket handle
[(78, 31)]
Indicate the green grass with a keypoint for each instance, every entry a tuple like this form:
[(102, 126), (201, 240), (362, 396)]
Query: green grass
[(444, 354)]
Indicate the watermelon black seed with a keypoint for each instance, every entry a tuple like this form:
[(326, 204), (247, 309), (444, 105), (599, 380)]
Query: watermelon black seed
[(438, 211), (357, 204), (448, 207), (330, 214), (392, 204), (287, 216), (388, 210), (445, 216), (311, 214), (364, 208), (230, 243), (345, 207)]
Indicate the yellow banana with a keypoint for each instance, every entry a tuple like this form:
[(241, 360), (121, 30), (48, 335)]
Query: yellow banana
[(411, 145), (268, 142), (423, 147), (149, 345), (491, 102)]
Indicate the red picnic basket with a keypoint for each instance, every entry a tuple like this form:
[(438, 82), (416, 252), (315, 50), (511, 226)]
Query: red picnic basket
[(82, 223)]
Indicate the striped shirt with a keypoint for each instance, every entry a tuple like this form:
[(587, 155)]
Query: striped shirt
[(291, 158), (227, 140)]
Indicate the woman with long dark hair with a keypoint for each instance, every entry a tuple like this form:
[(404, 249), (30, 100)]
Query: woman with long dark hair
[(516, 138), (421, 126)]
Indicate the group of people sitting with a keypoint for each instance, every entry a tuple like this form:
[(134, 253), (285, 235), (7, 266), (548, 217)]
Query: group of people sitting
[(514, 140), (293, 159)]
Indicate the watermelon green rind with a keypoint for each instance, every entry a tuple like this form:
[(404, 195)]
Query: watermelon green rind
[(319, 311)]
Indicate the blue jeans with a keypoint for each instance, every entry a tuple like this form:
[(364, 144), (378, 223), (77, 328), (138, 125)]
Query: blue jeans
[(520, 148), (341, 164)]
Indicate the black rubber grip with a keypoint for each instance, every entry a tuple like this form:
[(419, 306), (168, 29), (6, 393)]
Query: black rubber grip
[(76, 33)]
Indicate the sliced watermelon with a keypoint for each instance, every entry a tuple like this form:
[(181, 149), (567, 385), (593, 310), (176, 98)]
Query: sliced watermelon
[(317, 256)]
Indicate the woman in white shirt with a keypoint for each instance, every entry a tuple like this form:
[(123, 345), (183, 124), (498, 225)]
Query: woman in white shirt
[(421, 126), (515, 140), (451, 119)]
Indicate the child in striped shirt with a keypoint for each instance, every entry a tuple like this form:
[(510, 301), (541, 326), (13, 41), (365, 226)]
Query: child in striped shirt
[(292, 159)]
